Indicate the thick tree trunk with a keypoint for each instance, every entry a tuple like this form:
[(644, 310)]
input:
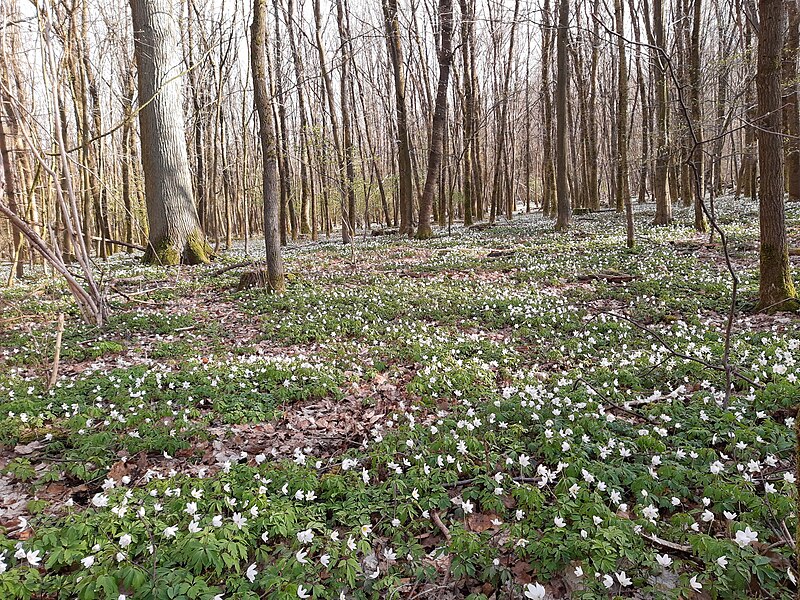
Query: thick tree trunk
[(175, 233), (269, 150), (775, 286), (439, 119), (791, 116), (563, 208)]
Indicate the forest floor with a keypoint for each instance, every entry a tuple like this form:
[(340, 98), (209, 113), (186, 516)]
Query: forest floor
[(474, 416)]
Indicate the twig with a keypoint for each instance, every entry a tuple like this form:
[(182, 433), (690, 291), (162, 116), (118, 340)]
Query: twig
[(57, 355), (667, 544), (437, 520), (727, 369)]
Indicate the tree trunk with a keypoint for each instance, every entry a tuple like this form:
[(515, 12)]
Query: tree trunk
[(439, 119), (405, 190), (696, 154), (775, 286), (548, 175), (791, 116), (659, 66), (623, 189), (175, 233), (563, 208), (269, 150)]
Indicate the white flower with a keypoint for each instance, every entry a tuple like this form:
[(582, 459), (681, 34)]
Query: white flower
[(217, 521), (707, 516), (389, 554), (87, 561), (623, 579), (325, 559), (366, 530), (729, 515), (194, 527), (608, 581), (696, 585), (100, 500), (467, 507), (792, 578), (239, 520), (534, 591), (559, 522), (251, 573), (789, 477), (664, 560), (170, 532), (302, 592), (650, 512), (125, 541), (305, 537), (301, 557), (33, 558), (746, 537), (722, 561), (578, 571)]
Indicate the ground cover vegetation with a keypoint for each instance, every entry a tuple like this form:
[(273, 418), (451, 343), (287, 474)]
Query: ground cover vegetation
[(499, 413)]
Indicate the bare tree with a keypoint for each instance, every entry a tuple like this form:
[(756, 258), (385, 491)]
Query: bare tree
[(269, 148), (175, 232), (563, 207), (776, 288)]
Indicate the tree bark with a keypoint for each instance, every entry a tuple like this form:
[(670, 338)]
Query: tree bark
[(659, 67), (791, 113), (269, 150), (563, 208), (405, 190), (775, 285), (435, 151), (175, 234)]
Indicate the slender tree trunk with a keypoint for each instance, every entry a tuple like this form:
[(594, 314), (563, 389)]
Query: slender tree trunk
[(659, 66), (548, 174), (175, 233), (269, 150), (563, 208), (623, 189), (405, 190), (468, 128), (299, 72), (439, 119), (696, 154)]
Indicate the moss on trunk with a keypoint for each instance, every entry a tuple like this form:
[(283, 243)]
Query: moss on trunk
[(777, 291), (193, 251)]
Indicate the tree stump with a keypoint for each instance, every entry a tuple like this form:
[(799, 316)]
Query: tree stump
[(253, 278)]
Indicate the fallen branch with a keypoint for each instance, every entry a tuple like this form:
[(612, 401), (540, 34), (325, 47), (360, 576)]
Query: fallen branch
[(119, 243), (437, 520), (667, 544)]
